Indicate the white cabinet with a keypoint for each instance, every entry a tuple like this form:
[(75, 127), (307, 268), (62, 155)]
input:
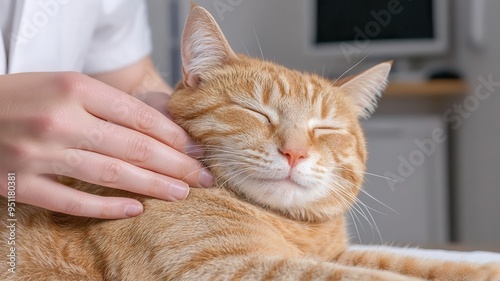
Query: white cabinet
[(413, 151)]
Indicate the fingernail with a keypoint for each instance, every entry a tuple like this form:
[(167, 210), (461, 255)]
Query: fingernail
[(179, 190), (193, 149), (206, 179), (133, 210)]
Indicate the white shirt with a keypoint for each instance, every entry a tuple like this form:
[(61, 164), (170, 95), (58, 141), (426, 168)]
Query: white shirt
[(90, 36), (6, 19)]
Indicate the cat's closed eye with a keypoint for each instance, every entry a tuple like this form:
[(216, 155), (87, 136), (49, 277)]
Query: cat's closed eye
[(325, 129), (261, 116)]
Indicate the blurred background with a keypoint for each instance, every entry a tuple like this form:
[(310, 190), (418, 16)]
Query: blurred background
[(434, 155)]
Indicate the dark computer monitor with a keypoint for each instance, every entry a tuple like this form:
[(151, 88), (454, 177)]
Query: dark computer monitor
[(379, 27)]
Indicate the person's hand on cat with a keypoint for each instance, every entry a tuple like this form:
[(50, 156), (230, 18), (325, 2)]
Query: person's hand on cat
[(56, 124), (157, 100)]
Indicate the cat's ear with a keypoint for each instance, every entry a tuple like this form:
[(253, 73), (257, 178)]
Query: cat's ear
[(204, 46), (365, 88)]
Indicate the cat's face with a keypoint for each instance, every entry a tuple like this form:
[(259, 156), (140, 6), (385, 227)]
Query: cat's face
[(285, 140)]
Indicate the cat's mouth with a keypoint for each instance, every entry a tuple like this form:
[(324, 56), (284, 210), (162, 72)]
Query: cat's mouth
[(284, 178), (287, 180), (285, 183)]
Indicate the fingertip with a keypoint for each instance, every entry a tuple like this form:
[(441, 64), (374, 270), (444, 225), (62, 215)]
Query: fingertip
[(179, 191), (206, 179), (133, 210)]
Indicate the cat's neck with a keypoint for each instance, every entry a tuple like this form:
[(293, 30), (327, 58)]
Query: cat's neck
[(303, 234)]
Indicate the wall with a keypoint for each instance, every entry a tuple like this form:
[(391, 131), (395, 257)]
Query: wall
[(160, 13), (478, 138)]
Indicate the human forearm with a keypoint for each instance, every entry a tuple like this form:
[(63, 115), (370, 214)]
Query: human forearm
[(137, 79)]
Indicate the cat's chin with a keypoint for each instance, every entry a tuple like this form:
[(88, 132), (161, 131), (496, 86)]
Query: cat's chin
[(289, 198), (281, 194)]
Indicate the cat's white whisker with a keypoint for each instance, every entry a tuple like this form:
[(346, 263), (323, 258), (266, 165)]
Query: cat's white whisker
[(258, 43), (380, 202), (382, 177), (370, 174), (369, 218), (212, 148), (355, 225), (366, 192), (374, 223), (352, 67), (245, 47), (229, 178)]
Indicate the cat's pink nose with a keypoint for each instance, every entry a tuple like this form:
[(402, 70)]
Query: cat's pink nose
[(294, 154)]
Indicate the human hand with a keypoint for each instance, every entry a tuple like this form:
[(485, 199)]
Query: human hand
[(56, 124), (157, 100)]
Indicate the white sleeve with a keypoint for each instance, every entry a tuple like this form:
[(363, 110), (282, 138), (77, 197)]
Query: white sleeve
[(121, 37)]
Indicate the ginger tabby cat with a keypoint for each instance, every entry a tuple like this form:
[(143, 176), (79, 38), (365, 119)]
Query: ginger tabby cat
[(289, 156)]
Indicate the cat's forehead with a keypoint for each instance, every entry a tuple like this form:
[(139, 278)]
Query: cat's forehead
[(287, 92)]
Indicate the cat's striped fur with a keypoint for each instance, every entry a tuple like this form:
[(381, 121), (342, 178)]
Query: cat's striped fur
[(289, 156)]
